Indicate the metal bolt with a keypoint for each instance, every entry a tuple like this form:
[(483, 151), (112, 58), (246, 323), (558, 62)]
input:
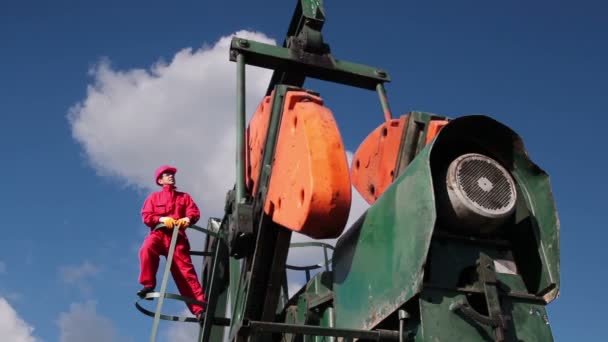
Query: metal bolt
[(380, 73)]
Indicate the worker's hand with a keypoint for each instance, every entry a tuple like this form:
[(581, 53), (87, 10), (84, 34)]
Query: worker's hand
[(183, 223), (169, 222)]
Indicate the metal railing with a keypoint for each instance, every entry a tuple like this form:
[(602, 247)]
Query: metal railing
[(162, 294)]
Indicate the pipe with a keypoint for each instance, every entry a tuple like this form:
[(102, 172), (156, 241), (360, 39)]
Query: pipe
[(240, 128), (384, 102)]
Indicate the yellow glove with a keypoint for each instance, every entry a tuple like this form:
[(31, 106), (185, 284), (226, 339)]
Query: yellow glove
[(184, 222), (169, 222)]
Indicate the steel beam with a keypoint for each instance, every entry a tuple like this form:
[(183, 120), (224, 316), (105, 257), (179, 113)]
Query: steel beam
[(322, 67)]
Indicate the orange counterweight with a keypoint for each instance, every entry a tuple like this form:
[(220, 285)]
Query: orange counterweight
[(374, 162), (256, 139), (309, 189)]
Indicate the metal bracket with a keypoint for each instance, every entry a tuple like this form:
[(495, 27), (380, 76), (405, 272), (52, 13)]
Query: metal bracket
[(308, 40), (240, 226), (496, 319)]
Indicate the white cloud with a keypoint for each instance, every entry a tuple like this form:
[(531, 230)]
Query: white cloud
[(77, 275), (180, 113), (74, 274), (83, 323), (12, 327)]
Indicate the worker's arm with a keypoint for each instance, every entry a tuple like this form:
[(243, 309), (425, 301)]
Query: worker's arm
[(192, 211), (149, 217)]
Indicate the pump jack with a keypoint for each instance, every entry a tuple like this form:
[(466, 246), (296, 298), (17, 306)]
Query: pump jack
[(461, 220)]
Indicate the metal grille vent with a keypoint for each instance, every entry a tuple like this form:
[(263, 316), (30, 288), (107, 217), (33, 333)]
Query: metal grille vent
[(485, 183)]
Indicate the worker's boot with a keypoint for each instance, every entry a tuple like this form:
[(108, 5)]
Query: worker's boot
[(143, 292), (200, 316)]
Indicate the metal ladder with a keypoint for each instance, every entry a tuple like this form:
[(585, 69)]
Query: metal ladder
[(212, 286)]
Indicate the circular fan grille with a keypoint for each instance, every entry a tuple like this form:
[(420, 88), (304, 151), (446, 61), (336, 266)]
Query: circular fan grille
[(486, 184)]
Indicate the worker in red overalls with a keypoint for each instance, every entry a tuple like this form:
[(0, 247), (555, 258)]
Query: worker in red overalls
[(176, 210)]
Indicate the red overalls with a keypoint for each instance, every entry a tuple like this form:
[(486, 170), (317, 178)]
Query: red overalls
[(170, 203)]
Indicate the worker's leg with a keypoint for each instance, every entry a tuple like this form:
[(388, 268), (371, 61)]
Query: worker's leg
[(149, 256), (184, 274)]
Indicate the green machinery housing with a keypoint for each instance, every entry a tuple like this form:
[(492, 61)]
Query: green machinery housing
[(462, 246)]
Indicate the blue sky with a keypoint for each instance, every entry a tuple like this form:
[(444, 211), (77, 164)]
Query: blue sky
[(76, 182)]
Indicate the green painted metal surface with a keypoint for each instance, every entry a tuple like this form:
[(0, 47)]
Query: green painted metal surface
[(378, 263), (313, 307), (383, 262), (449, 260), (240, 130), (544, 221), (310, 8), (240, 290), (413, 140), (235, 278), (319, 304), (327, 320), (217, 332), (386, 109), (528, 322), (326, 69)]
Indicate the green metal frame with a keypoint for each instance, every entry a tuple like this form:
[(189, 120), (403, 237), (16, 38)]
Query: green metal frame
[(304, 54), (325, 68), (240, 126), (252, 282), (413, 139)]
